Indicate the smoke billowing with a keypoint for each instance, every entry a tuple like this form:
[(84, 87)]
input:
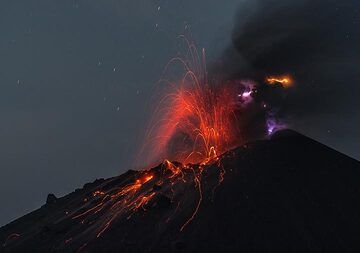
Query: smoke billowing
[(316, 42), (310, 49)]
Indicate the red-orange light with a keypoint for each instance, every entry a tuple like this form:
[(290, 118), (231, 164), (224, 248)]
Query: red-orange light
[(285, 81)]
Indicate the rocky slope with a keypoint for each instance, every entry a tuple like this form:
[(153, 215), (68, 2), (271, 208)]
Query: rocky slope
[(286, 194)]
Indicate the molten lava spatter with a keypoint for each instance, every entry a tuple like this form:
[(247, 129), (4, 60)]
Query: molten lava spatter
[(169, 179), (195, 123), (196, 120)]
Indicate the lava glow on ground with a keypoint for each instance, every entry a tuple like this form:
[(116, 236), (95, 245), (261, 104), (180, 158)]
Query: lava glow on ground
[(194, 124)]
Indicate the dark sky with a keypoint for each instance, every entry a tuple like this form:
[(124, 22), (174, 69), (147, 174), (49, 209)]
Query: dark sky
[(76, 75)]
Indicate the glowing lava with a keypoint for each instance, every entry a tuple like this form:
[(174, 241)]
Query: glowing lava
[(198, 126), (193, 124), (196, 120)]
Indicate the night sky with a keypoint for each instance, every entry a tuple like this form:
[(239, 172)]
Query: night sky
[(76, 78)]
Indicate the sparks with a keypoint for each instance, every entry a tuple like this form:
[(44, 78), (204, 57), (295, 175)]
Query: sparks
[(195, 119), (195, 122)]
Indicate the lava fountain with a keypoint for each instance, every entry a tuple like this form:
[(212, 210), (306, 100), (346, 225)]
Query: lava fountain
[(194, 123), (197, 119)]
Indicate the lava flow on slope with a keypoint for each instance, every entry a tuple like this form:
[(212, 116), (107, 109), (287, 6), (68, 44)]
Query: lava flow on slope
[(285, 194), (196, 122)]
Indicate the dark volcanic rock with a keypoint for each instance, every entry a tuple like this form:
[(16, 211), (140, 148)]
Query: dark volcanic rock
[(286, 133), (286, 194), (179, 246), (156, 187), (163, 201), (51, 199)]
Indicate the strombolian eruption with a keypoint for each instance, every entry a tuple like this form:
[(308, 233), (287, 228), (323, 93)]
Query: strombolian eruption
[(200, 118), (195, 122), (268, 74)]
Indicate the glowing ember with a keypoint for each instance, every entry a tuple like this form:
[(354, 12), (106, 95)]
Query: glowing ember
[(198, 126), (195, 122), (96, 193)]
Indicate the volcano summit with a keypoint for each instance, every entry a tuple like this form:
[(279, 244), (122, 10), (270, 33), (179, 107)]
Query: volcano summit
[(286, 194)]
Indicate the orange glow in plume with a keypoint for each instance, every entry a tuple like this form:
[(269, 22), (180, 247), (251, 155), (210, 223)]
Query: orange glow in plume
[(285, 81)]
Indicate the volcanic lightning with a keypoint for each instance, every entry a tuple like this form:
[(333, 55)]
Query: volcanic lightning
[(194, 123), (285, 81)]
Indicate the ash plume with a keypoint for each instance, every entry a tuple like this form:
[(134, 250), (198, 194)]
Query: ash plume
[(316, 42), (288, 60)]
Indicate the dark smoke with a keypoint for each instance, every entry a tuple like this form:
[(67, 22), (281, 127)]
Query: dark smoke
[(317, 42)]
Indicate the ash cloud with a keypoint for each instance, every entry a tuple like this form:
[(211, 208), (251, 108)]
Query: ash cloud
[(316, 42)]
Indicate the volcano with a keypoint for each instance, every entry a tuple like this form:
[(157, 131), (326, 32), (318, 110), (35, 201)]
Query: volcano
[(288, 193)]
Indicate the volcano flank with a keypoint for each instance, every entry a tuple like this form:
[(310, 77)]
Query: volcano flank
[(285, 194)]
